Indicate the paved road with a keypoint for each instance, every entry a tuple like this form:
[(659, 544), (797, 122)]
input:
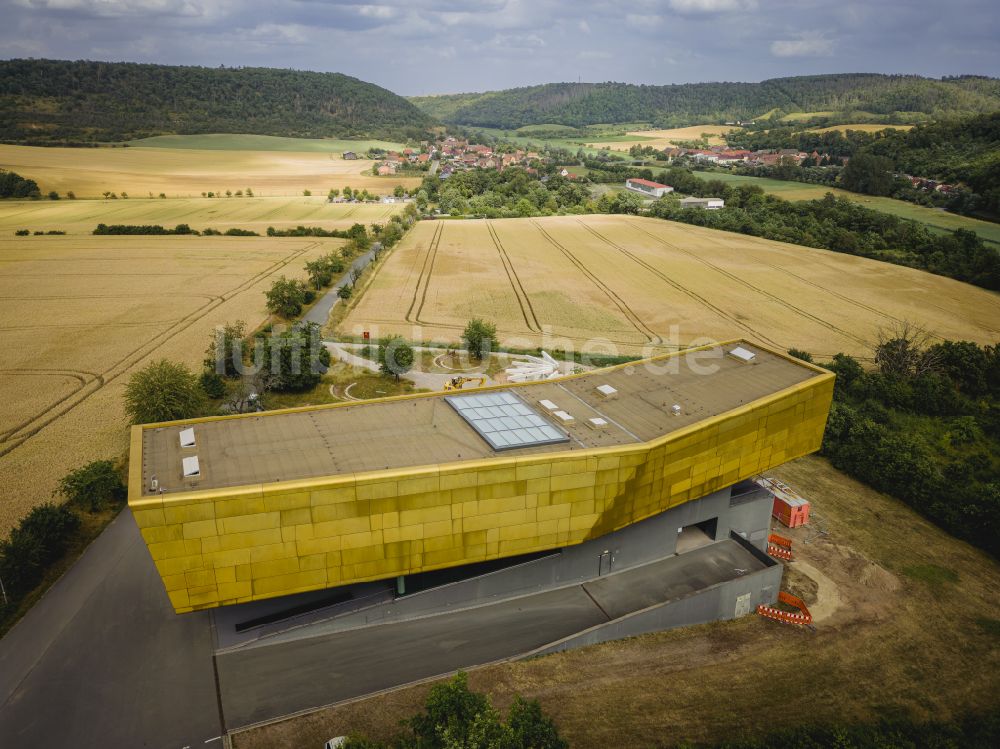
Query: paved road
[(319, 313), (102, 660), (265, 682), (425, 380)]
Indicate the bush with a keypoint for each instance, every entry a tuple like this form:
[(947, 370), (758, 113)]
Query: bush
[(294, 360), (212, 384), (395, 356), (455, 716), (480, 338), (163, 391), (40, 538), (286, 297), (22, 233), (94, 486)]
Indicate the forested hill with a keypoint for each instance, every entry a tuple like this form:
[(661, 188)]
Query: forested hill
[(61, 101), (579, 104)]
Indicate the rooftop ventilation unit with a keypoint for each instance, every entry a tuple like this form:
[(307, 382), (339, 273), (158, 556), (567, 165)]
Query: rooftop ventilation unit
[(607, 391), (187, 437), (548, 405), (676, 409), (743, 354), (597, 423), (563, 416), (192, 469)]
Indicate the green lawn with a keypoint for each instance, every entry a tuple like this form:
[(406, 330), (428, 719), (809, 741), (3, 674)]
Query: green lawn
[(933, 218), (227, 142)]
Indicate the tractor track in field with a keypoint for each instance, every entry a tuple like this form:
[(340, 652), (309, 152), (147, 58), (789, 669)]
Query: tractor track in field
[(80, 376), (523, 300), (11, 440), (759, 290), (627, 311), (424, 279), (678, 286)]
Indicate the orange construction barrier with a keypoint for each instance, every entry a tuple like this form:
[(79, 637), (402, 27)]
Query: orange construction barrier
[(779, 546), (804, 618)]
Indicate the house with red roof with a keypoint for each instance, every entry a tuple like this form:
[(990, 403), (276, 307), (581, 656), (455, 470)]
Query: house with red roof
[(648, 188)]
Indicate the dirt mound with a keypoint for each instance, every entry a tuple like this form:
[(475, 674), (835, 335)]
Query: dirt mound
[(871, 575)]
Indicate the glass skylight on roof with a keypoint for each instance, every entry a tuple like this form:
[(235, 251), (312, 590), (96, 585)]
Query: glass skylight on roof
[(505, 421)]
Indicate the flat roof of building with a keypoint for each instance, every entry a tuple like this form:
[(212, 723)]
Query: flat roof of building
[(628, 404)]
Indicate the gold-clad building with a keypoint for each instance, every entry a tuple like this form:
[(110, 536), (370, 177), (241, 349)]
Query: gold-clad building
[(303, 499)]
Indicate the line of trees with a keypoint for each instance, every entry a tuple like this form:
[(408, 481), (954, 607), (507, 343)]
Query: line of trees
[(42, 538)]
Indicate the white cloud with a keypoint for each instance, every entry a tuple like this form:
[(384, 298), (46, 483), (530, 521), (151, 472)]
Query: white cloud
[(712, 6), (807, 45), (643, 22), (117, 8), (584, 27), (381, 12)]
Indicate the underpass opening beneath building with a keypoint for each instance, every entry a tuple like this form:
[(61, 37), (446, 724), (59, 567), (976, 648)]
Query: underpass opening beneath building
[(696, 535)]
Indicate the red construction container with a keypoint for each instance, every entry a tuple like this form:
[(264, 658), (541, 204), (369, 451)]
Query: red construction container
[(789, 506)]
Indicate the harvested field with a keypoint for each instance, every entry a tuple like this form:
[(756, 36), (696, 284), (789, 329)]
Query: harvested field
[(81, 216), (886, 643), (187, 173), (623, 284), (78, 315), (667, 138)]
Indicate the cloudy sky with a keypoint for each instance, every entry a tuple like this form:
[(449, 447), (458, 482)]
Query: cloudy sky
[(442, 46)]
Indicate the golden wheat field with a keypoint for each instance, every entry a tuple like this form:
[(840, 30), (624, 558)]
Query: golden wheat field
[(639, 283), (177, 172), (81, 216), (667, 138), (79, 314)]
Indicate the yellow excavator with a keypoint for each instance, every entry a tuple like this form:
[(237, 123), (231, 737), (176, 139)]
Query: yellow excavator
[(457, 383)]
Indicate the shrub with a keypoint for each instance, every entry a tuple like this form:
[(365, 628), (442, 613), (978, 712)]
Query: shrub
[(40, 538), (22, 233), (480, 338), (286, 297), (212, 384), (94, 486), (163, 391)]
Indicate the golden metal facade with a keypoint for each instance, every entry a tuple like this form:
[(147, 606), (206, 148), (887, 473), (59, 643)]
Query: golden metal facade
[(226, 546)]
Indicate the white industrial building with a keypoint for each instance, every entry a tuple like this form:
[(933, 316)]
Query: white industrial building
[(646, 187), (708, 204)]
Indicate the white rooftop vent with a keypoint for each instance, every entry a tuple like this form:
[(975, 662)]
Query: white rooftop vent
[(597, 422), (564, 416), (192, 469), (743, 354), (676, 409), (606, 390), (549, 405), (187, 437)]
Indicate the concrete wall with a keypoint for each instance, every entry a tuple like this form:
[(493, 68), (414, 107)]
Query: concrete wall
[(225, 546), (712, 604)]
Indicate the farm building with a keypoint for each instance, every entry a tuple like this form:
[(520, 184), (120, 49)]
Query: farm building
[(708, 204), (495, 491), (350, 155), (646, 187)]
